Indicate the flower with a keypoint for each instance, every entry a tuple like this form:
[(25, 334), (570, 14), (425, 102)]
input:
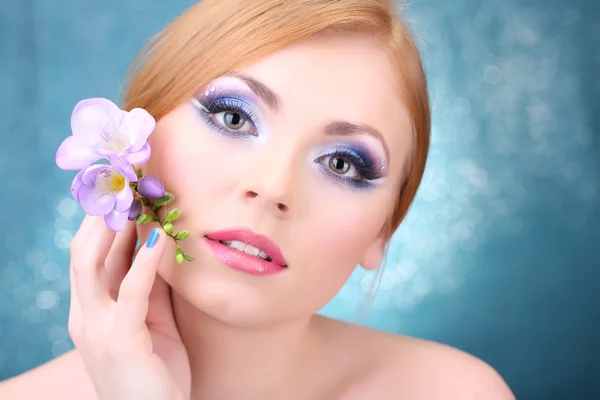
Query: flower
[(151, 187), (102, 130), (104, 190)]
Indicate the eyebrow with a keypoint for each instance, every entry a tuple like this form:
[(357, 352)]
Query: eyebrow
[(261, 90), (345, 128)]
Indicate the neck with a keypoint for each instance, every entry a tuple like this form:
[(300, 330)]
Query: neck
[(259, 360)]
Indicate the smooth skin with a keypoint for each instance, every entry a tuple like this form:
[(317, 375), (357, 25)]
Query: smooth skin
[(205, 331)]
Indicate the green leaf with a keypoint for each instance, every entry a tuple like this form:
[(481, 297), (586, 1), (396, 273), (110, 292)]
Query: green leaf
[(187, 257), (167, 199), (145, 218), (182, 235), (168, 227), (173, 215), (179, 258)]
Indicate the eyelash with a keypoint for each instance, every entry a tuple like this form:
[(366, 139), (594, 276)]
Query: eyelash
[(228, 104), (366, 168)]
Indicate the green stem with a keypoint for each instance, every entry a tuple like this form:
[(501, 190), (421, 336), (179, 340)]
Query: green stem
[(155, 210)]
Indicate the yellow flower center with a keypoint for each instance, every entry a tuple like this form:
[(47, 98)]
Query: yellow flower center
[(117, 182), (113, 182)]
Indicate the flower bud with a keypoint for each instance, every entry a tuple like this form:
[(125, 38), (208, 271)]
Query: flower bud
[(179, 255), (173, 215), (166, 200), (168, 227), (144, 218), (135, 210), (182, 235), (151, 187)]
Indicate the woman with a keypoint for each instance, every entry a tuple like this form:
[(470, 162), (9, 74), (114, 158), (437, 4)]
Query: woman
[(294, 134)]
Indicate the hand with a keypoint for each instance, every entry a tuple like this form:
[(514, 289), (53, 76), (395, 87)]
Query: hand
[(121, 318)]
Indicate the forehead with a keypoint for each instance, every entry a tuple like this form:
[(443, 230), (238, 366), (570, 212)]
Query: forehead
[(347, 78)]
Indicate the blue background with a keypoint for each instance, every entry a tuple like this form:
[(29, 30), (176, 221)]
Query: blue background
[(499, 255)]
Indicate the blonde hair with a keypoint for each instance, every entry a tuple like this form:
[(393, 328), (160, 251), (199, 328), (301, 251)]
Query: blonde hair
[(215, 36)]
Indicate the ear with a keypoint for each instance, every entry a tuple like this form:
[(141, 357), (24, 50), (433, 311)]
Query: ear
[(374, 255)]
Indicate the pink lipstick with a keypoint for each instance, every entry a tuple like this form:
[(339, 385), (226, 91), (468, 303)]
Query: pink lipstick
[(247, 251)]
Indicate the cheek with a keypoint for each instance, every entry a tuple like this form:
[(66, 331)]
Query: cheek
[(334, 241), (338, 234), (188, 158), (343, 231)]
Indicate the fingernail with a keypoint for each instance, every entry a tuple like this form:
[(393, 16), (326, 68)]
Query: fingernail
[(153, 238)]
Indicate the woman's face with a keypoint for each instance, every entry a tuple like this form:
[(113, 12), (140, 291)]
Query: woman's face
[(306, 147)]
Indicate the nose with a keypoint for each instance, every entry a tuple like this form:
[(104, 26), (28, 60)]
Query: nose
[(271, 184), (282, 207)]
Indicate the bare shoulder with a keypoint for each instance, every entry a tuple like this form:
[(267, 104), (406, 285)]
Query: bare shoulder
[(427, 370), (401, 367), (64, 377)]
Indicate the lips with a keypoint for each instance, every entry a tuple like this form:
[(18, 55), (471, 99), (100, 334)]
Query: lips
[(247, 236)]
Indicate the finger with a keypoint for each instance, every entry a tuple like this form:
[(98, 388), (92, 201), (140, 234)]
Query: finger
[(86, 225), (160, 309), (132, 306), (74, 323), (120, 257), (88, 254)]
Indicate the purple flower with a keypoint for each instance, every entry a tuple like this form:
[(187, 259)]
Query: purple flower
[(135, 210), (102, 130), (151, 187), (104, 190)]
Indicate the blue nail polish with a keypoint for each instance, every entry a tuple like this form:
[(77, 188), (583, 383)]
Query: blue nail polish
[(153, 238)]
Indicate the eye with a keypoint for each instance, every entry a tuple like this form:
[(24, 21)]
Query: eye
[(235, 121), (341, 166), (350, 165), (228, 115)]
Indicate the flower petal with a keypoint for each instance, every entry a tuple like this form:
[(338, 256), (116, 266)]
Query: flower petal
[(76, 185), (141, 156), (106, 153), (72, 155), (94, 121), (124, 167), (135, 210), (124, 199), (88, 176), (116, 220), (140, 125), (94, 202)]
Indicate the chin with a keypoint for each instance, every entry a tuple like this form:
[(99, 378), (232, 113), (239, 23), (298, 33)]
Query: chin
[(228, 295)]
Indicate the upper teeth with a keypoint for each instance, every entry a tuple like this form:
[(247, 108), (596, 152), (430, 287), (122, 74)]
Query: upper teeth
[(246, 248)]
